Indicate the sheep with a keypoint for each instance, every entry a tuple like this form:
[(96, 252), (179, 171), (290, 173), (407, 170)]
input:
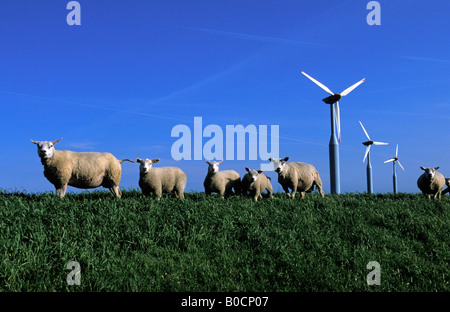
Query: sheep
[(160, 180), (297, 176), (447, 190), (80, 170), (221, 182), (431, 182), (256, 182)]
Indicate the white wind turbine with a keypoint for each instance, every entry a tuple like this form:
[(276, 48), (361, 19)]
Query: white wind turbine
[(333, 100), (394, 160), (369, 143)]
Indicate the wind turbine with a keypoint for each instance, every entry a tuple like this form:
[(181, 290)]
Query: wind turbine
[(395, 159), (369, 143), (333, 100)]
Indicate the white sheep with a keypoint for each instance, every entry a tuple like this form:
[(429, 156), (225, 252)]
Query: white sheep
[(80, 170), (255, 182), (221, 182), (297, 176), (447, 190), (431, 182), (160, 180)]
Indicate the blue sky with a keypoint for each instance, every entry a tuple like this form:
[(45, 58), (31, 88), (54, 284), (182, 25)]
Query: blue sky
[(135, 69)]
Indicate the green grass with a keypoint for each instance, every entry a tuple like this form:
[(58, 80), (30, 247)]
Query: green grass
[(208, 244)]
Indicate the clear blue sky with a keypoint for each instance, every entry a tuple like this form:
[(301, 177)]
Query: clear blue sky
[(133, 70)]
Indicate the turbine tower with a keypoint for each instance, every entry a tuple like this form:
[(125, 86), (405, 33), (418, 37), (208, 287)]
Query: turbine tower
[(368, 144), (333, 100), (395, 159)]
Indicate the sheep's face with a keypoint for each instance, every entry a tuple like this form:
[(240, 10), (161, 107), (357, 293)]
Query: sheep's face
[(447, 181), (253, 174), (46, 149), (145, 164), (279, 163), (213, 166), (430, 172)]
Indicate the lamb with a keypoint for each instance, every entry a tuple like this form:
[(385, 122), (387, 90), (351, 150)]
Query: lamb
[(80, 170), (431, 182), (221, 182), (256, 182), (447, 190), (160, 180), (297, 176)]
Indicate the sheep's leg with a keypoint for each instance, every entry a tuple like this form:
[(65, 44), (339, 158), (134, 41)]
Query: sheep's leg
[(286, 190), (257, 195), (294, 190), (61, 191), (175, 192), (116, 191), (270, 191), (303, 195), (181, 194), (320, 190)]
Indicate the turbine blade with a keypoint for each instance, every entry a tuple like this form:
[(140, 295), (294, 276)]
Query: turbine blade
[(350, 89), (380, 143), (400, 165), (396, 151), (338, 120), (318, 83), (389, 160), (364, 130), (367, 152)]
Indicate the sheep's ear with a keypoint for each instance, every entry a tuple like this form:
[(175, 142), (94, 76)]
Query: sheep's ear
[(436, 168), (247, 169), (154, 161), (34, 141), (208, 162), (422, 168), (138, 160), (260, 171), (286, 158), (56, 141), (270, 159), (219, 162)]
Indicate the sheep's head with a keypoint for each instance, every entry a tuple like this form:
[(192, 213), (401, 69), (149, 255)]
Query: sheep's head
[(253, 173), (146, 164), (447, 182), (46, 149), (430, 171), (213, 166), (279, 163)]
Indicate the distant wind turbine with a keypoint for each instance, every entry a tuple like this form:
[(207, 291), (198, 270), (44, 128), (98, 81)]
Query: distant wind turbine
[(394, 160), (368, 144), (333, 100)]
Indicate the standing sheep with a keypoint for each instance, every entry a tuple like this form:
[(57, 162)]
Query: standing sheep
[(80, 170), (431, 182), (221, 182), (297, 176), (256, 182), (160, 180), (447, 190)]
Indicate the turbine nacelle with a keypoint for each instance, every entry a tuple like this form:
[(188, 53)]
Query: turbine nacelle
[(332, 99)]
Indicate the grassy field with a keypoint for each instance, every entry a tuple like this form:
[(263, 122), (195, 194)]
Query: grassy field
[(208, 244)]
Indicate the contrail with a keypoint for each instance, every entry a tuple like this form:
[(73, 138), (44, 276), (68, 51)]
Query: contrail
[(267, 39)]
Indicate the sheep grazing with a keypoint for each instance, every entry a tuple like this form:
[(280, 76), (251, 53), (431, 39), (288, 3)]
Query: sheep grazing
[(80, 170), (160, 180), (297, 176), (255, 182), (447, 190), (221, 182), (431, 182)]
